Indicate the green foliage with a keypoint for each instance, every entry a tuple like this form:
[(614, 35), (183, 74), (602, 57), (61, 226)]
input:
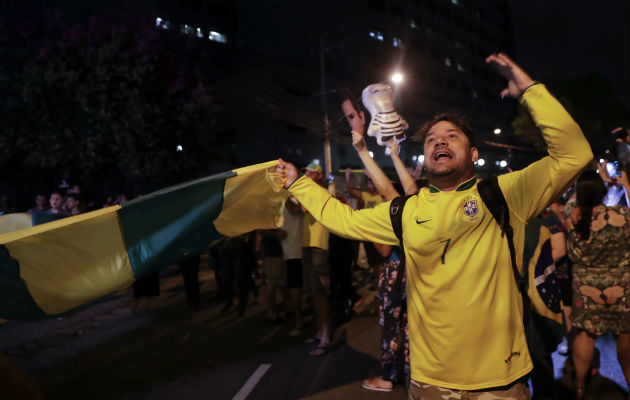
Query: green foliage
[(98, 100)]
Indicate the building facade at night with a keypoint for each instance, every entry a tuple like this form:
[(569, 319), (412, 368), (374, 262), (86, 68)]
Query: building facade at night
[(285, 59), (276, 64)]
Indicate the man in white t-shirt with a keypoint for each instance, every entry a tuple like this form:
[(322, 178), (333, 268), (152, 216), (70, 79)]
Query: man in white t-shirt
[(292, 254)]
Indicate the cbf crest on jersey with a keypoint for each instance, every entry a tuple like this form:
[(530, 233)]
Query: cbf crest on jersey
[(471, 208)]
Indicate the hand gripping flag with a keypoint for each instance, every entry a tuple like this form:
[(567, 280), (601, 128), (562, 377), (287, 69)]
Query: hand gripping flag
[(386, 124), (57, 266)]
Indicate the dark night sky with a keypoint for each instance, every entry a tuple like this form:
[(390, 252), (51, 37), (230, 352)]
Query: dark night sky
[(564, 37)]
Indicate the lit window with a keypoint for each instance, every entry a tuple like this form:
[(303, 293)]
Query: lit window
[(398, 42), (199, 33), (217, 37), (376, 34), (475, 94), (162, 23), (448, 62), (412, 24), (456, 2), (460, 67), (186, 29)]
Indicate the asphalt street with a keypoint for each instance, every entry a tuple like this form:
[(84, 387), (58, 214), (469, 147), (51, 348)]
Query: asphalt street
[(166, 350)]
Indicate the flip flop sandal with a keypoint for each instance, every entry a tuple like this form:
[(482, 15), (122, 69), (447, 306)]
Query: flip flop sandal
[(312, 339), (320, 350), (370, 384)]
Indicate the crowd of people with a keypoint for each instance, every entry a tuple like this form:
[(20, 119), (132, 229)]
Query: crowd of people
[(452, 306), (467, 309), (64, 201)]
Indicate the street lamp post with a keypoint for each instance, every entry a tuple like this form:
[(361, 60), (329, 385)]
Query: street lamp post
[(327, 133)]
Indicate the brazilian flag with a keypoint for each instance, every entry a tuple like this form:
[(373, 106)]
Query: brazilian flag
[(57, 266), (545, 326)]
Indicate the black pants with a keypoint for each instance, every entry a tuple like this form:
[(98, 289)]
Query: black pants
[(190, 273)]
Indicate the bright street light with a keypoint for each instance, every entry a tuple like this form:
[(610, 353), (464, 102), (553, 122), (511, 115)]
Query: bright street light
[(397, 78), (420, 158), (481, 162), (497, 131), (503, 164)]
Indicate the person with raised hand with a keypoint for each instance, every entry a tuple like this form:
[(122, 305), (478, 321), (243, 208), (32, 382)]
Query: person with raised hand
[(464, 305)]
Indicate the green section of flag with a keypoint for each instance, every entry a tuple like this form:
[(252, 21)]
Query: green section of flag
[(172, 224), (42, 218), (16, 301)]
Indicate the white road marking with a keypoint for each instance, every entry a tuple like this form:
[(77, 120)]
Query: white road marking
[(252, 382)]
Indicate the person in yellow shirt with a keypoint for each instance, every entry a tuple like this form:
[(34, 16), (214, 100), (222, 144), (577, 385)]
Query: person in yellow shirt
[(464, 307)]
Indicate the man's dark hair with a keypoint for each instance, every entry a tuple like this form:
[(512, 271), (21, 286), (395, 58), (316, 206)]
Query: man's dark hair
[(455, 119), (74, 196), (343, 94), (590, 191)]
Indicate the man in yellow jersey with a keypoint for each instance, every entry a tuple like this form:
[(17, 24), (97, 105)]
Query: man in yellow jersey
[(369, 198), (465, 310)]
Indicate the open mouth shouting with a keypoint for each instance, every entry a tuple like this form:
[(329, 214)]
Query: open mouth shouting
[(442, 155)]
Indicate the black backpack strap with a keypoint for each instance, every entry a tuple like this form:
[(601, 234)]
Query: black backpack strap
[(494, 200), (395, 214)]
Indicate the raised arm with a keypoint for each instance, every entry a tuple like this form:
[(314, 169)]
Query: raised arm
[(373, 224), (353, 192), (529, 190), (374, 172), (406, 180), (623, 179)]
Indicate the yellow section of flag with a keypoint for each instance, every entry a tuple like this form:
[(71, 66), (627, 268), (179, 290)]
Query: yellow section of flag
[(72, 261)]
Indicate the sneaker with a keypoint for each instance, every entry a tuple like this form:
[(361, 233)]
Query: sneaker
[(378, 384), (563, 348)]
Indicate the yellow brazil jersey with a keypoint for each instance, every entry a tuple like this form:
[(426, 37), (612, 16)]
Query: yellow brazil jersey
[(314, 234), (464, 309), (371, 200)]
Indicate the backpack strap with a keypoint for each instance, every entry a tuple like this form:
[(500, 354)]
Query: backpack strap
[(395, 214), (493, 198)]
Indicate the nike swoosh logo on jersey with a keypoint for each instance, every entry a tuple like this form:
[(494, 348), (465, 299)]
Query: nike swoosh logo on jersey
[(422, 222)]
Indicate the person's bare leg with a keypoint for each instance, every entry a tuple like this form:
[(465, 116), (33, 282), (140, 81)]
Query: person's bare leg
[(270, 300), (317, 307), (324, 328), (582, 350), (322, 311), (296, 301), (284, 293), (623, 354), (567, 317)]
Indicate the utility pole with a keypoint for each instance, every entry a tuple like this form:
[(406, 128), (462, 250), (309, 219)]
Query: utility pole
[(327, 133)]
